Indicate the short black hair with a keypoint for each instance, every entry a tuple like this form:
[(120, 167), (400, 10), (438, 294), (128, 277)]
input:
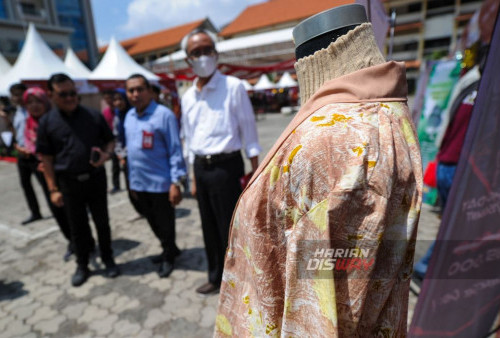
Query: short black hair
[(18, 86), (139, 76), (108, 92), (56, 79), (156, 89)]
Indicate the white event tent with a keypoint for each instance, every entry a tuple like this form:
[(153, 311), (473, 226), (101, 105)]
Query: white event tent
[(82, 72), (286, 81), (264, 83), (73, 62), (4, 65), (117, 65), (36, 61), (247, 85)]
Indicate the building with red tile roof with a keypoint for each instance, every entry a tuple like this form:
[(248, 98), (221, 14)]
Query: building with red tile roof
[(276, 14), (149, 47)]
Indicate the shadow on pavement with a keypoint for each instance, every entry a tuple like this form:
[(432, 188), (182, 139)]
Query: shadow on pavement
[(122, 245), (181, 212), (12, 290), (191, 259)]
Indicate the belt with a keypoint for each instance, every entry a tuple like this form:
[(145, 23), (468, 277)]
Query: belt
[(217, 158), (81, 177)]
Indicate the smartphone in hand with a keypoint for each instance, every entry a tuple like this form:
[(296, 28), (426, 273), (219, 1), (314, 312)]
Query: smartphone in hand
[(95, 155)]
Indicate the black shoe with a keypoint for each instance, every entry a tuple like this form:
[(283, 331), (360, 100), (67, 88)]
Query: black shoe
[(208, 289), (160, 258), (81, 275), (32, 218), (111, 270), (165, 269), (68, 254), (114, 191)]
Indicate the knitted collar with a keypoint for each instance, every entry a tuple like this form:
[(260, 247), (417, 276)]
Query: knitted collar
[(351, 52)]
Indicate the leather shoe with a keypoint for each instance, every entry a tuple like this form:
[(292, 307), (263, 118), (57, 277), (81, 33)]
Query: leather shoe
[(81, 275), (208, 289), (112, 270), (114, 190), (165, 269), (31, 219), (68, 254), (160, 258)]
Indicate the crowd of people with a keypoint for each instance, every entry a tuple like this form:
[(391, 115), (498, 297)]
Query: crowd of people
[(346, 171), (65, 145)]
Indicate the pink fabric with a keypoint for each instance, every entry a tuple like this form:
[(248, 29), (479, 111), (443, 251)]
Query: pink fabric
[(109, 116), (39, 93), (30, 134), (31, 123)]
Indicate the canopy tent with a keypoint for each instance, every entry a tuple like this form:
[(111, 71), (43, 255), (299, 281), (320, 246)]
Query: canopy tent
[(73, 62), (264, 83), (286, 81), (35, 62), (238, 50), (117, 65), (4, 65), (247, 85)]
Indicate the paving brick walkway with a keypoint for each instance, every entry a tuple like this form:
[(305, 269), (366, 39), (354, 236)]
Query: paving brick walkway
[(37, 300)]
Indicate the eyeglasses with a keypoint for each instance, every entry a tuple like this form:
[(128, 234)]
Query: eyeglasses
[(196, 53), (64, 95)]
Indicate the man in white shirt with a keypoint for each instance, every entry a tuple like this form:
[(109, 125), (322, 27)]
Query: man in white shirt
[(217, 120)]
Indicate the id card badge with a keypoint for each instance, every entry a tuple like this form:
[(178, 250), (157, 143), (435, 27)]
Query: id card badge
[(147, 140)]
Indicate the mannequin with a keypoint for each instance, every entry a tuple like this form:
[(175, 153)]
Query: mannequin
[(318, 31), (345, 173), (333, 43)]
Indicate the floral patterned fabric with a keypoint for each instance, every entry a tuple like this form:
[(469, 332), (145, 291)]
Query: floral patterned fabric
[(343, 173)]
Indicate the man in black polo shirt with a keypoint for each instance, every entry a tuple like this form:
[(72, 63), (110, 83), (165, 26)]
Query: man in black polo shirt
[(68, 137)]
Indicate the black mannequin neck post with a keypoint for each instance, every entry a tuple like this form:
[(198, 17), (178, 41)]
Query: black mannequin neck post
[(320, 42)]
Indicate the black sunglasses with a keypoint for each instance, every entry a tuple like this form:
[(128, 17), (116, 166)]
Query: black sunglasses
[(196, 53), (64, 95)]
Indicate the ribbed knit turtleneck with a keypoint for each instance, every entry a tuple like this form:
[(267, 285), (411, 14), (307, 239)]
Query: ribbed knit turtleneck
[(351, 52)]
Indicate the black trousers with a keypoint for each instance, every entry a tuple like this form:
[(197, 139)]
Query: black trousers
[(217, 191), (161, 218), (27, 167), (132, 200), (77, 196), (115, 170)]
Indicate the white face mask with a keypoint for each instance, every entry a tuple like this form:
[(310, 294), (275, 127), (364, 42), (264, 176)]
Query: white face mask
[(204, 66)]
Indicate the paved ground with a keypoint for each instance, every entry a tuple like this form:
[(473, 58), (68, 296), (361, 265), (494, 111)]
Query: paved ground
[(37, 300)]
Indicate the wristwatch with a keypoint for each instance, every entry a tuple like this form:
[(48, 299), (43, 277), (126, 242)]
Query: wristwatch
[(56, 189)]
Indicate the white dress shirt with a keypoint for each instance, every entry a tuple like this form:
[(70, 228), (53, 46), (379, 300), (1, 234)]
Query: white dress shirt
[(218, 118), (19, 124)]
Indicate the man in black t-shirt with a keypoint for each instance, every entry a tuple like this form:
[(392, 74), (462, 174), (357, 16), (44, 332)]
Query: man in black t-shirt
[(75, 142)]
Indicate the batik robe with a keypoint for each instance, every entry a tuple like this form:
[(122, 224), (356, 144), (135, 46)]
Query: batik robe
[(345, 174)]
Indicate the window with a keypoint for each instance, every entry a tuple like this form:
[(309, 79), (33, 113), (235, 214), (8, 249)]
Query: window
[(3, 12), (436, 43), (71, 15), (409, 46), (11, 46), (29, 9), (439, 4)]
